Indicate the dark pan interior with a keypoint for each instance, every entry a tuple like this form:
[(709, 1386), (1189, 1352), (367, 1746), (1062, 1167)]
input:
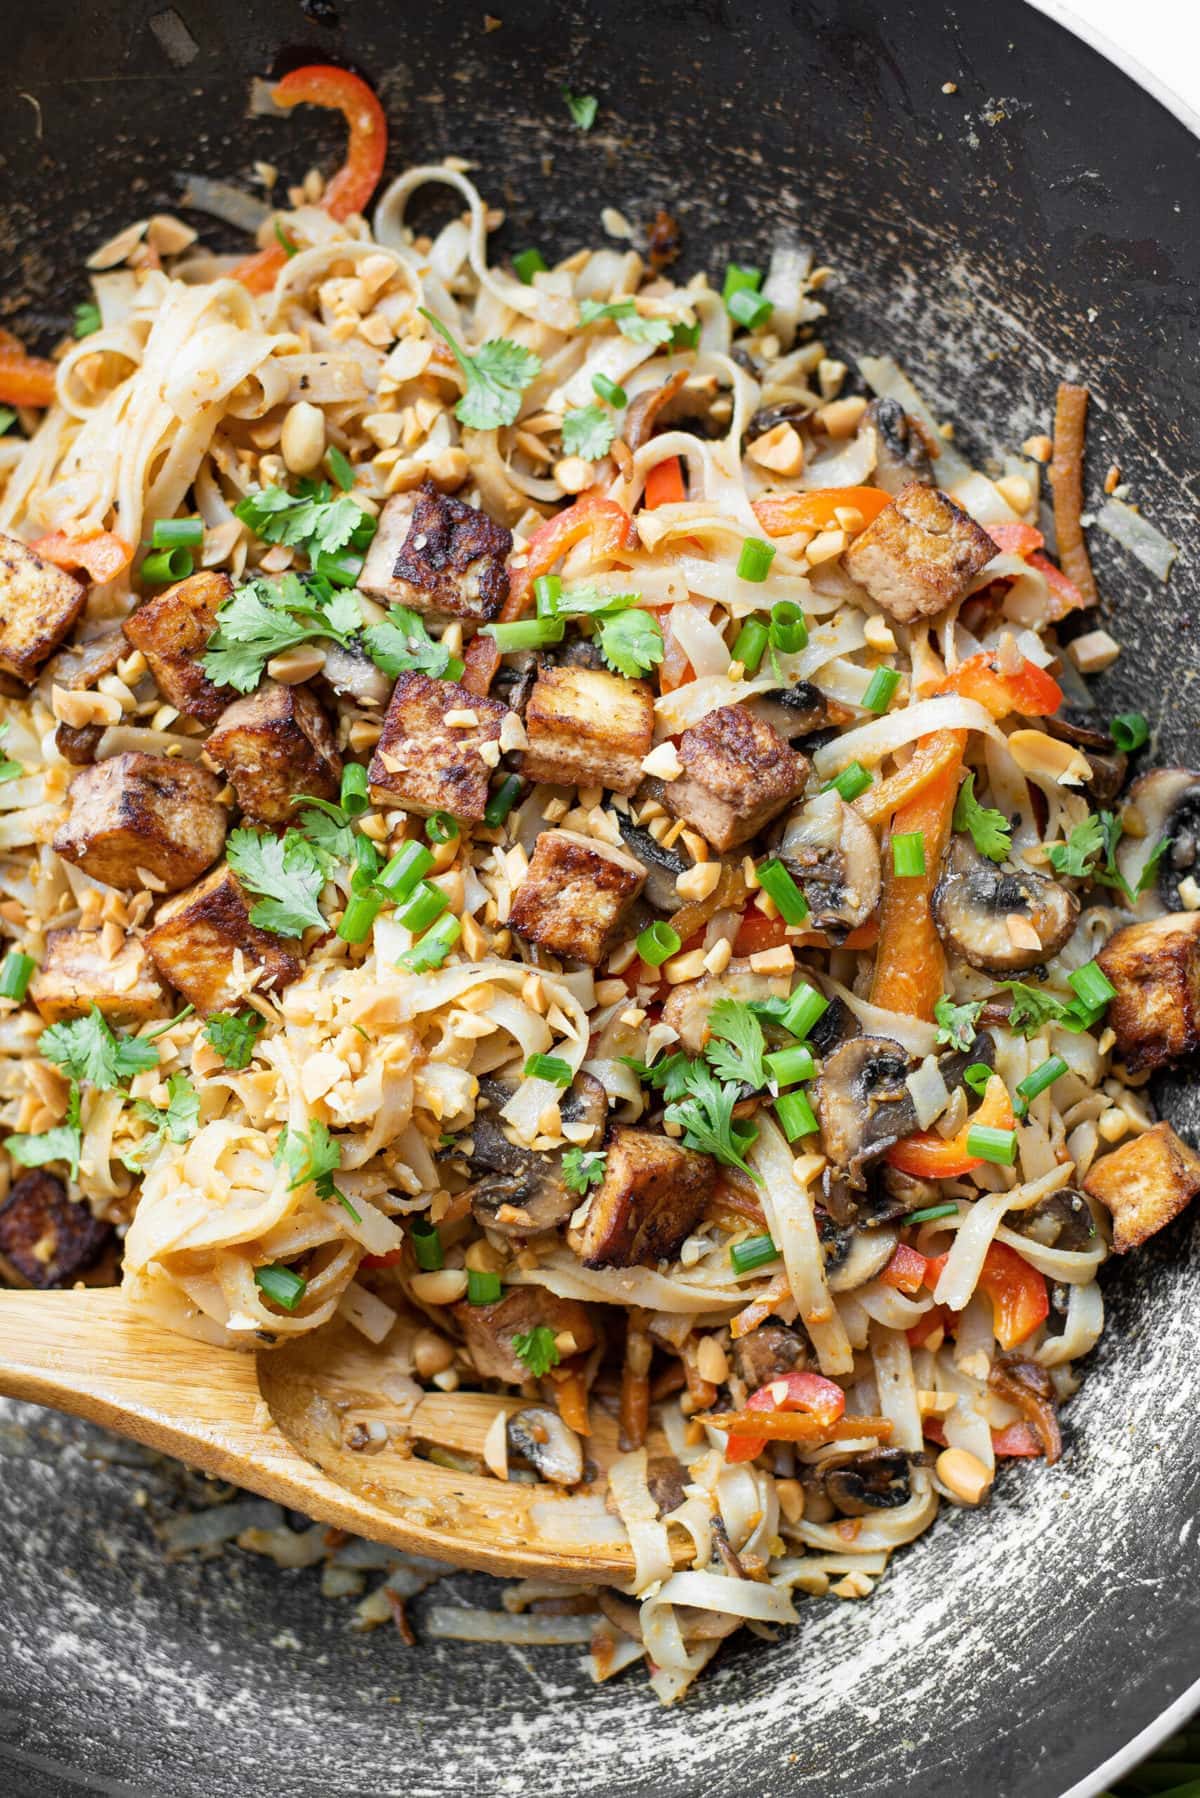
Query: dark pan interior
[(1038, 221)]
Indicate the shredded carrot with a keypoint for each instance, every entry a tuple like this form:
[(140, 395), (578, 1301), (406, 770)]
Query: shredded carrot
[(909, 964), (635, 1385), (933, 755), (1066, 486), (797, 1426), (761, 1308)]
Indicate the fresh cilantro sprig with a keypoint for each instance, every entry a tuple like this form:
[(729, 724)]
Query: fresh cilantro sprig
[(63, 1143), (583, 1168), (1032, 1007), (285, 873), (401, 642), (706, 1118), (1099, 835), (736, 1044), (9, 770), (957, 1024), (233, 1036), (262, 618), (582, 108), (314, 1155), (497, 374), (537, 1349), (177, 1121), (88, 1049), (588, 432), (990, 830), (632, 642), (314, 519), (628, 320)]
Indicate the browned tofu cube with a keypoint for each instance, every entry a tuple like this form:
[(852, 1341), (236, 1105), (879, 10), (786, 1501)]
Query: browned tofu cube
[(488, 1330), (587, 728), (47, 1239), (1155, 968), (39, 603), (651, 1196), (429, 757), (204, 945), (575, 894), (274, 744), (738, 772), (77, 974), (138, 815), (919, 555), (438, 555), (1145, 1183), (172, 632)]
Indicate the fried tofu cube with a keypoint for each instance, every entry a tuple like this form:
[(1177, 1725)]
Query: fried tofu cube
[(134, 815), (438, 555), (274, 743), (204, 945), (172, 631), (488, 1330), (47, 1239), (39, 604), (651, 1196), (1144, 1184), (77, 974), (738, 772), (1155, 968), (575, 894), (429, 757), (919, 555), (588, 728)]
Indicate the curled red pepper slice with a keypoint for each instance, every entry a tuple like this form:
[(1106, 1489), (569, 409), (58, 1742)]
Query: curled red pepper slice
[(821, 1399)]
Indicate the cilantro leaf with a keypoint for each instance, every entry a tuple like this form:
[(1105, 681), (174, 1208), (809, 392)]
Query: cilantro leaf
[(668, 1075), (87, 318), (87, 1049), (990, 830), (586, 601), (233, 1035), (736, 1045), (582, 108), (312, 519), (497, 375), (179, 1120), (632, 642), (9, 770), (1075, 857), (706, 1118), (314, 1155), (262, 618), (401, 642), (285, 874), (583, 1168), (537, 1349), (63, 1143), (628, 320), (588, 432), (328, 830), (957, 1024), (1032, 1007), (1101, 833)]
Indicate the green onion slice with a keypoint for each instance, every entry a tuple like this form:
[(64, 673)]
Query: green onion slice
[(756, 1251), (777, 883), (658, 943)]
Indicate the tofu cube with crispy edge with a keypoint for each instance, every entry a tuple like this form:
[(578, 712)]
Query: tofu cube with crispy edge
[(1155, 968), (438, 555), (39, 604), (587, 728), (488, 1330), (651, 1196), (1145, 1183), (919, 555), (76, 974), (425, 764), (273, 744), (172, 631), (204, 945), (575, 894), (738, 772), (47, 1239), (154, 813)]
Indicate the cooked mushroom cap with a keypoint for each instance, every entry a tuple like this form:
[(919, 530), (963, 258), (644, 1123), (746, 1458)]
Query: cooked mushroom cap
[(795, 711), (540, 1437), (974, 899), (833, 854), (522, 1191), (1109, 765), (878, 1480), (1167, 801), (867, 1254), (862, 1102), (900, 455), (1062, 1220), (687, 1009), (663, 867)]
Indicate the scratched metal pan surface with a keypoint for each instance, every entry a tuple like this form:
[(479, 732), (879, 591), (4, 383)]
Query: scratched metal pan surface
[(1036, 222)]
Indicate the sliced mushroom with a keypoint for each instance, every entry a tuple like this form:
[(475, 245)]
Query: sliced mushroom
[(901, 455), (1027, 1385), (538, 1435), (836, 1024), (1167, 804), (832, 852), (522, 1191), (867, 1254), (689, 1005), (666, 1480), (353, 675), (974, 901), (1063, 1220), (766, 1353), (891, 1195), (663, 866), (1109, 765), (786, 412), (863, 1102), (684, 404), (880, 1479), (795, 712)]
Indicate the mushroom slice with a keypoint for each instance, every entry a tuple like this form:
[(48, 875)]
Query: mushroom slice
[(795, 711), (974, 901), (868, 1254), (1167, 803), (863, 1104), (880, 1479), (1027, 1385), (523, 1192), (540, 1437), (688, 1007), (900, 455), (833, 854), (1062, 1220), (663, 867), (1108, 764)]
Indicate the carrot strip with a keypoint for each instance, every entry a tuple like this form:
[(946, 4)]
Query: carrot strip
[(932, 756), (571, 1397), (782, 513), (102, 554), (25, 380), (1066, 487), (760, 1308), (909, 964), (796, 1426)]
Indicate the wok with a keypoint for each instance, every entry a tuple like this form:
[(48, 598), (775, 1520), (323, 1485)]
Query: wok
[(1039, 221)]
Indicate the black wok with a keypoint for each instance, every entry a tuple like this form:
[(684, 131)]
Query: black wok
[(1039, 220)]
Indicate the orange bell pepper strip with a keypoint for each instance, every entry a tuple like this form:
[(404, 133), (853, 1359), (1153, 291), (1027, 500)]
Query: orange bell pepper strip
[(1067, 596), (932, 756), (1020, 1299), (1016, 539), (665, 485), (906, 1270), (1030, 690), (101, 554), (909, 963), (927, 1156), (321, 84), (25, 380), (782, 513)]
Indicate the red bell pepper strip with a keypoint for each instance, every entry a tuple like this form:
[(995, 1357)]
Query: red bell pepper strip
[(928, 1156), (909, 963), (938, 1317), (1016, 539), (1066, 593), (905, 1271), (392, 1258), (102, 554), (25, 380), (1020, 1299), (665, 485), (821, 1399), (1030, 690), (321, 84), (782, 513), (1015, 1440)]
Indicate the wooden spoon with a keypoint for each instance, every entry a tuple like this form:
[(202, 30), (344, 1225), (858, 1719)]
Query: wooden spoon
[(279, 1423)]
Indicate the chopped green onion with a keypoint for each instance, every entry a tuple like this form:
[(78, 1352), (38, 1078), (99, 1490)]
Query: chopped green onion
[(441, 827), (928, 1213), (547, 591), (657, 943), (1092, 985), (977, 1077), (365, 876), (483, 1286), (851, 783), (409, 865), (778, 884), (754, 562), (750, 643), (525, 633), (427, 903), (340, 467), (527, 264), (427, 1245), (1129, 730), (740, 278), (989, 1144), (549, 1067), (502, 801), (787, 1066), (908, 853), (608, 390), (359, 915), (176, 533), (87, 318), (281, 1285), (15, 975), (166, 566), (341, 570), (285, 243), (756, 1251), (795, 1116), (354, 798), (803, 1010), (686, 337), (431, 950), (749, 309), (879, 694), (1041, 1078), (789, 628)]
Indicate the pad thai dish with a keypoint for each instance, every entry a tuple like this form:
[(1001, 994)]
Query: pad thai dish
[(550, 823)]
